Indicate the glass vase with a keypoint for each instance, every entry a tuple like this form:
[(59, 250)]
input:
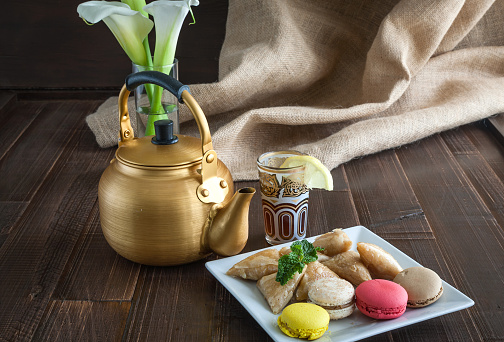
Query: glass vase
[(154, 103)]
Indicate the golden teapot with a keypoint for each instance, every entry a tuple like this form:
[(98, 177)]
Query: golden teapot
[(166, 199)]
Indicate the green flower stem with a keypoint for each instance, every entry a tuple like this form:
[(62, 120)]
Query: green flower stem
[(129, 21), (156, 103), (149, 127), (149, 88)]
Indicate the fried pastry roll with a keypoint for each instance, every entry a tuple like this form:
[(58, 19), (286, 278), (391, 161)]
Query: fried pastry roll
[(380, 264), (275, 294), (257, 265), (334, 242), (348, 265), (314, 271)]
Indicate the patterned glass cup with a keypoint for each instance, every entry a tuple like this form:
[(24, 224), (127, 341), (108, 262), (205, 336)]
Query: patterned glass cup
[(284, 198)]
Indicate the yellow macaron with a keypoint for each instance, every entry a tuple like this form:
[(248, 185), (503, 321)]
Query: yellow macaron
[(304, 320)]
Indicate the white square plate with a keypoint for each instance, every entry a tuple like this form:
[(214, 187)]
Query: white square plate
[(353, 328)]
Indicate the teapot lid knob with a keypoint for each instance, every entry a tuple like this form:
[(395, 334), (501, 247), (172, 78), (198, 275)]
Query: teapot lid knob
[(164, 133)]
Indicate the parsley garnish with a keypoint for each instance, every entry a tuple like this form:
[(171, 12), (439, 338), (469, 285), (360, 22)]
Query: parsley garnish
[(302, 253)]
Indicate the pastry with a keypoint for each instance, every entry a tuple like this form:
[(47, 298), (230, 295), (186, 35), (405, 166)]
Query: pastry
[(336, 295), (321, 257), (334, 242), (348, 265), (304, 320), (423, 286), (381, 299), (284, 250), (275, 294), (379, 263), (314, 270), (257, 265)]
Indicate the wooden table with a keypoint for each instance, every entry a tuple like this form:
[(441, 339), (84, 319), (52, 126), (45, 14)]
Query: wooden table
[(439, 200)]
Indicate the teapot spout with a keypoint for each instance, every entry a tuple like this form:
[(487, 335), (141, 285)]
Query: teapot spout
[(228, 233)]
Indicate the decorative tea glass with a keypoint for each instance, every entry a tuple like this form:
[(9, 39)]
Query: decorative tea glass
[(284, 198)]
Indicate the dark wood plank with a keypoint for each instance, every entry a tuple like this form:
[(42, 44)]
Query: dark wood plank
[(173, 303), (114, 279), (452, 327), (28, 161), (488, 146), (83, 321), (465, 229), (33, 256), (481, 174), (438, 200), (384, 180), (232, 322), (16, 118), (10, 212), (384, 199), (329, 210), (7, 99), (497, 123), (256, 230)]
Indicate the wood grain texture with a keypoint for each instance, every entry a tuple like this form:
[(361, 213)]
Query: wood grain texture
[(28, 161), (172, 303), (482, 175), (491, 148), (9, 214), (83, 321), (465, 229), (389, 207), (116, 277), (497, 123), (34, 253), (7, 99), (15, 120), (438, 200), (384, 199)]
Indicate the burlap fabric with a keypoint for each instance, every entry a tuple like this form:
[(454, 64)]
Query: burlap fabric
[(339, 79)]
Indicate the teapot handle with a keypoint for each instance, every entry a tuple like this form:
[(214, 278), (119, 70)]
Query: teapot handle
[(182, 93), (213, 189)]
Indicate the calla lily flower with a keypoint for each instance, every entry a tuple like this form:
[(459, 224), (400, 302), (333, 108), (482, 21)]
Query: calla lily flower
[(128, 26), (168, 19), (128, 20), (136, 5)]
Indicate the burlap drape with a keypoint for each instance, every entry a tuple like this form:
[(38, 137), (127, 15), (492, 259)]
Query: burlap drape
[(339, 79)]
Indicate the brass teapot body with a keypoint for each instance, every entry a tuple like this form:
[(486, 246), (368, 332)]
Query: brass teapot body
[(168, 200)]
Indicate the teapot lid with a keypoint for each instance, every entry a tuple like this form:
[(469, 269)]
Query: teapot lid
[(145, 152)]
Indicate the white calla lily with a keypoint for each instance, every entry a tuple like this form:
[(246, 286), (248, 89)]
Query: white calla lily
[(128, 20), (168, 18), (128, 26)]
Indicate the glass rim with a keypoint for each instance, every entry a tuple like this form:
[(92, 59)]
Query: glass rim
[(175, 62), (267, 168)]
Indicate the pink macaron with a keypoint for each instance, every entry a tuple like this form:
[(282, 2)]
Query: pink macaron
[(381, 299)]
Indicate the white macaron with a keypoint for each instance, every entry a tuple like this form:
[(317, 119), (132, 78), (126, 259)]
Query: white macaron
[(335, 295)]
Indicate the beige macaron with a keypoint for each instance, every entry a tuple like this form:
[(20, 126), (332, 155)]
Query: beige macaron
[(335, 295), (423, 286)]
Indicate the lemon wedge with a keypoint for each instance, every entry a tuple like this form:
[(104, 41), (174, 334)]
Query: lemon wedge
[(316, 174)]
